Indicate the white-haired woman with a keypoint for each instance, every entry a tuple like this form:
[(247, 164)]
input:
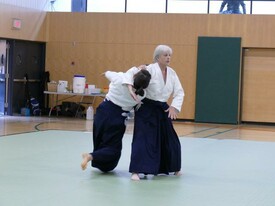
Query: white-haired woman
[(156, 147)]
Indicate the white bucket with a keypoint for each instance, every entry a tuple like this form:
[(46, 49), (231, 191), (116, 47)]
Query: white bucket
[(79, 82)]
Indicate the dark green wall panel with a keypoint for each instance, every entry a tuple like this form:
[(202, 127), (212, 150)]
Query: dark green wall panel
[(218, 79)]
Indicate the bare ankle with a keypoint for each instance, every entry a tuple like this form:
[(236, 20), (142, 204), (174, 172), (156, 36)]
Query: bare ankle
[(135, 177), (178, 173), (86, 157)]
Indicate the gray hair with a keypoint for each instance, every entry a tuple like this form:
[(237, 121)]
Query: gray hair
[(160, 49)]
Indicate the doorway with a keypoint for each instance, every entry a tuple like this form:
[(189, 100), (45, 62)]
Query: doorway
[(3, 63), (258, 96), (25, 58)]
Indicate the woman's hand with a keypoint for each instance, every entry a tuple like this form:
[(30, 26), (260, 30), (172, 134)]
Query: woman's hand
[(143, 66), (172, 112), (132, 93)]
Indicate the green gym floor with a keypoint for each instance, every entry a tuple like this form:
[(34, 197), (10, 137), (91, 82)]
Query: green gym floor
[(42, 168)]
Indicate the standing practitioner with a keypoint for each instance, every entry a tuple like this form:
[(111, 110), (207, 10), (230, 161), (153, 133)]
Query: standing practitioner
[(156, 147), (109, 122), (233, 7)]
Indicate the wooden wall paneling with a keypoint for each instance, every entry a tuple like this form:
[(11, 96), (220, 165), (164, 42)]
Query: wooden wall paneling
[(62, 27), (258, 30), (127, 28), (221, 26), (131, 43), (118, 41), (184, 62), (258, 97), (188, 27)]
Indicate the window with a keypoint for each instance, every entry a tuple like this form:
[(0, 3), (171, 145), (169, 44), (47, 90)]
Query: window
[(146, 6), (215, 6), (60, 5), (105, 5), (187, 6), (263, 7), (159, 6)]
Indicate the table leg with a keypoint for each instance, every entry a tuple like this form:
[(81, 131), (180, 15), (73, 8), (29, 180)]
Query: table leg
[(54, 104)]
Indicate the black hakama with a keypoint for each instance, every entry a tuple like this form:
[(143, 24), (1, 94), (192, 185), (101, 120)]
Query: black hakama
[(156, 147), (108, 130)]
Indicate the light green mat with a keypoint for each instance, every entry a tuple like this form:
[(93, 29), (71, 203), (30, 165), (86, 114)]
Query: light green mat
[(43, 169)]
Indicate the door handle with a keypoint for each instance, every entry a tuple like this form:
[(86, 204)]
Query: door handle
[(24, 80), (2, 59)]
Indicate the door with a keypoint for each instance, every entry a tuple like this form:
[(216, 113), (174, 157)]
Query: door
[(27, 58), (3, 48), (258, 96)]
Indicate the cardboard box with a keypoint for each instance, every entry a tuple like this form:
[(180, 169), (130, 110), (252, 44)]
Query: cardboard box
[(52, 87)]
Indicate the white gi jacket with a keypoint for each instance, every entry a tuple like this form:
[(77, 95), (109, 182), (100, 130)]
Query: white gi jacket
[(158, 90), (118, 91)]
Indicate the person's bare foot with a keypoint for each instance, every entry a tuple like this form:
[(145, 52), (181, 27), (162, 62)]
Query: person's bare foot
[(135, 177), (178, 173), (86, 158)]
